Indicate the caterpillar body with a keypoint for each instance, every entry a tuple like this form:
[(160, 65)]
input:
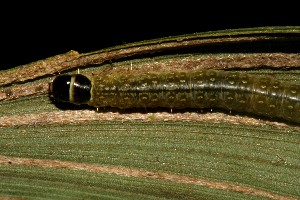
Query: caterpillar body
[(240, 92)]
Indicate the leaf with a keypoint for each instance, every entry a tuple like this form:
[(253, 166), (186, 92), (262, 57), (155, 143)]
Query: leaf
[(60, 151)]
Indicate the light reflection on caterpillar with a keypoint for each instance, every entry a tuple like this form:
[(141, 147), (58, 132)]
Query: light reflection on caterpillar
[(240, 92)]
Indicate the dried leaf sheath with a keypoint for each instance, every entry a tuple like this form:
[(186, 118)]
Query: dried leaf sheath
[(198, 89)]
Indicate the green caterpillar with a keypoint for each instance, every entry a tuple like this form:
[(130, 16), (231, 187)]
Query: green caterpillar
[(240, 92)]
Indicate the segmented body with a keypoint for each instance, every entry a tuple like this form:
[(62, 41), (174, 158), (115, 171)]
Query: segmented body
[(198, 89)]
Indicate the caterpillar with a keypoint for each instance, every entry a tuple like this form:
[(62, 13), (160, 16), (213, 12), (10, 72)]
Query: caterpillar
[(265, 96)]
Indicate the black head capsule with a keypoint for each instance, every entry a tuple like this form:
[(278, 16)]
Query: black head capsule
[(71, 88)]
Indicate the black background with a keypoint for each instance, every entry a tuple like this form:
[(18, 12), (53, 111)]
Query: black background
[(32, 32)]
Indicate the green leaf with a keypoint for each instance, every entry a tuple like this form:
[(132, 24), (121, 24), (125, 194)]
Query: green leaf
[(59, 151)]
